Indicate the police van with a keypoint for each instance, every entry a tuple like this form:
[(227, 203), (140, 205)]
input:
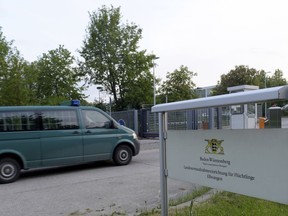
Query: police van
[(45, 136)]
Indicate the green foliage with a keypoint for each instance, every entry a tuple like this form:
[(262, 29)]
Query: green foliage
[(276, 79), (31, 84), (56, 78), (243, 75), (178, 85), (175, 202), (226, 204), (49, 80), (112, 60), (234, 204), (189, 196), (12, 74)]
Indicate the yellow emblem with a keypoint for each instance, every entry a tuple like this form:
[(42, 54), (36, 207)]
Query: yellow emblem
[(214, 147)]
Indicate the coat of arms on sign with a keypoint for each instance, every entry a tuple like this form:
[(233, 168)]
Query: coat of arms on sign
[(214, 146)]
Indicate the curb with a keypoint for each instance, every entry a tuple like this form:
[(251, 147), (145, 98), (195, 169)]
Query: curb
[(197, 200)]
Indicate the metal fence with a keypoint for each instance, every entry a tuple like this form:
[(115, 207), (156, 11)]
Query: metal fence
[(146, 125), (127, 118)]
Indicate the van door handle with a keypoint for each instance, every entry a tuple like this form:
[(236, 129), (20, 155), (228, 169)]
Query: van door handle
[(88, 132), (76, 132)]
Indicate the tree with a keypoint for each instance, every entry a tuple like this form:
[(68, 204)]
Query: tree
[(57, 79), (111, 59), (30, 75), (241, 75), (276, 79), (178, 85), (12, 82)]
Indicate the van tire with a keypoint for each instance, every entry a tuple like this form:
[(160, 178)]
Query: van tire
[(9, 170), (122, 155)]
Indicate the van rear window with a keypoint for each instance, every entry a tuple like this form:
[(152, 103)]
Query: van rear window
[(18, 121), (59, 119), (42, 120)]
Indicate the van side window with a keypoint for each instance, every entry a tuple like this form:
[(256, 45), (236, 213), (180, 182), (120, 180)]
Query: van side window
[(94, 119), (59, 119), (18, 121)]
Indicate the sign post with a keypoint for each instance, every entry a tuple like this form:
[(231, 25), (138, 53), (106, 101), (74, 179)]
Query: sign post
[(163, 163)]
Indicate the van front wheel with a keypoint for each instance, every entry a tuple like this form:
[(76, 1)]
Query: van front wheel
[(9, 170), (122, 155)]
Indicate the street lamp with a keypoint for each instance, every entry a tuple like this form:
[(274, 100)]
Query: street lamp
[(154, 84), (99, 88), (154, 90)]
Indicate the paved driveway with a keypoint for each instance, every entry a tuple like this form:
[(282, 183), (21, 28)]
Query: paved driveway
[(91, 189)]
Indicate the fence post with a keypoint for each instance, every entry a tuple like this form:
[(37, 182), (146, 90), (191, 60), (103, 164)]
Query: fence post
[(143, 122), (194, 120), (219, 118), (211, 118), (136, 126), (189, 125)]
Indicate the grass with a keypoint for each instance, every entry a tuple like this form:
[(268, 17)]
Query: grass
[(187, 197), (228, 204), (221, 204)]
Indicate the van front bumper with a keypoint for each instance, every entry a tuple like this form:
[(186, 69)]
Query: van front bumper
[(137, 146)]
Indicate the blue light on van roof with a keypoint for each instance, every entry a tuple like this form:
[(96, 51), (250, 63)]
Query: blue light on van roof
[(75, 102)]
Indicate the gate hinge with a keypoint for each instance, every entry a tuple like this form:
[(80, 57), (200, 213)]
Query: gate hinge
[(165, 135), (166, 172)]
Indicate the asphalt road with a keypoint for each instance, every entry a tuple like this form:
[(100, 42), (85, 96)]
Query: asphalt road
[(91, 189)]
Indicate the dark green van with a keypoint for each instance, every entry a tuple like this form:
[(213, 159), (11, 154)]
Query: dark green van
[(44, 136)]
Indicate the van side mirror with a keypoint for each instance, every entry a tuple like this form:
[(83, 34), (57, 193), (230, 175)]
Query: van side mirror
[(109, 124)]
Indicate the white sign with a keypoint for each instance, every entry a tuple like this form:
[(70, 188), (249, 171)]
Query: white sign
[(252, 162)]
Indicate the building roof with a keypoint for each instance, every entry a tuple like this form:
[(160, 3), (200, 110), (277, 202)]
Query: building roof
[(242, 88)]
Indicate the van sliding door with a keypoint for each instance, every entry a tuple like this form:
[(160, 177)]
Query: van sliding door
[(61, 138)]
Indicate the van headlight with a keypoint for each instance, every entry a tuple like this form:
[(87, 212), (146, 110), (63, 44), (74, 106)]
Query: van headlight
[(134, 136)]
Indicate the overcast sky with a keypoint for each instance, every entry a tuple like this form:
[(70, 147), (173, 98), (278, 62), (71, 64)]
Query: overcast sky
[(210, 37)]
